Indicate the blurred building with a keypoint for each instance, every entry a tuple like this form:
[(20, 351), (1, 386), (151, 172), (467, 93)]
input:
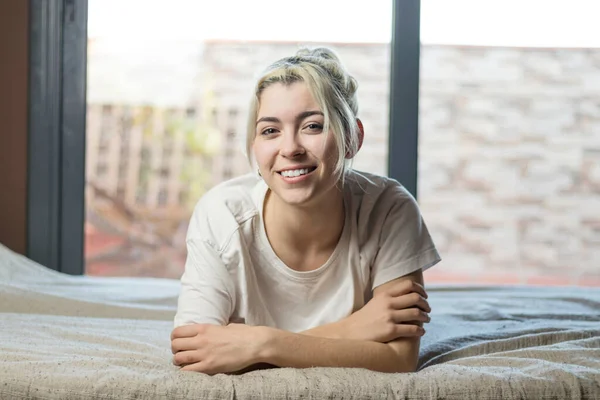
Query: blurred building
[(509, 151)]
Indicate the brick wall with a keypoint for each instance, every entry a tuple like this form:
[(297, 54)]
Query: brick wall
[(509, 169)]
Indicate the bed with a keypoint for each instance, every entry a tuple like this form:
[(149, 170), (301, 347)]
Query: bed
[(80, 337)]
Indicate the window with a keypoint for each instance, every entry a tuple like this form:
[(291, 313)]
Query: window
[(124, 150), (141, 198), (163, 196), (102, 147), (164, 172), (123, 169), (101, 169), (182, 96), (183, 198), (508, 164), (167, 150), (190, 112), (58, 157)]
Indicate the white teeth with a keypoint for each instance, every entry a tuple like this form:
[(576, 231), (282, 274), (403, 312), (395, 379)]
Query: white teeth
[(294, 172)]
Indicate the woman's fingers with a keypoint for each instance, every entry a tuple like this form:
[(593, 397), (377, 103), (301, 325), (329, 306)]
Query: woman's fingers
[(405, 330), (183, 344), (187, 357), (405, 287), (414, 315), (410, 300)]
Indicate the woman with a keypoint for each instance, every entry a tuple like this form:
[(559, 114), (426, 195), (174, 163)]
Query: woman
[(306, 263)]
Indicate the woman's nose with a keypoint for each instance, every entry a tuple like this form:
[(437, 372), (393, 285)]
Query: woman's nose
[(291, 146)]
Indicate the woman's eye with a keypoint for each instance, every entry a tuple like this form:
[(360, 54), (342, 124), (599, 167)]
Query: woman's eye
[(314, 127), (268, 131)]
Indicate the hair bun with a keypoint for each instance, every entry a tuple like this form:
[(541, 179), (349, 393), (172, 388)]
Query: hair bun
[(320, 52), (329, 60)]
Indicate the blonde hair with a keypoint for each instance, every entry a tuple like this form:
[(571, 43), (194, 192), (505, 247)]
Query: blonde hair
[(331, 86)]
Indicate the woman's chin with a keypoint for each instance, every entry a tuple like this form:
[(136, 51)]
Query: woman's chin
[(295, 197)]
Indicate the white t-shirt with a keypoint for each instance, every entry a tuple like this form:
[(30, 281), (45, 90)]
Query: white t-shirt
[(232, 274)]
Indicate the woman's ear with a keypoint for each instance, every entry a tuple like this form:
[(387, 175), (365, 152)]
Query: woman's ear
[(361, 137), (361, 134)]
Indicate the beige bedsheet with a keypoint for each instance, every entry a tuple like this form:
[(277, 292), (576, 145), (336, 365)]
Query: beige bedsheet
[(64, 337)]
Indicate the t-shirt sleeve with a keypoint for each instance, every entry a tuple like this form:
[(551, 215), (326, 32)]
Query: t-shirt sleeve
[(207, 291), (405, 245)]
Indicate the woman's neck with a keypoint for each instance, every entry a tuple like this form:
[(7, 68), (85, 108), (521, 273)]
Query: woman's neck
[(313, 228)]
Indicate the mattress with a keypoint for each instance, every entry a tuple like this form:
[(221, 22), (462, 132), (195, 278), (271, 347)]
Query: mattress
[(82, 337)]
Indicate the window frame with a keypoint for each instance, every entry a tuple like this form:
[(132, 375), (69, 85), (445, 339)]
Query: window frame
[(403, 141), (56, 134), (57, 123)]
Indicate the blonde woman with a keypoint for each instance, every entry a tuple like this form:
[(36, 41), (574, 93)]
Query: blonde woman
[(307, 263)]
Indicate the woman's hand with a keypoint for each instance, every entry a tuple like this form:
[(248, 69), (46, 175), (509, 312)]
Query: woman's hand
[(397, 311), (214, 349)]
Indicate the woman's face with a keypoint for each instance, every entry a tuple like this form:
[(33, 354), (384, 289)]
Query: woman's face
[(295, 156)]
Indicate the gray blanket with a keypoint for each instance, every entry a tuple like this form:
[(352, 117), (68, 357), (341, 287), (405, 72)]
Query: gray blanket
[(64, 337)]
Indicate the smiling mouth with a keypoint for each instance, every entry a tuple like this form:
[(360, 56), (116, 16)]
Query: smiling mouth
[(292, 173)]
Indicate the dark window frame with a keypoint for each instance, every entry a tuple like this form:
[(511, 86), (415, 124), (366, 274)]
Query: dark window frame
[(57, 120), (56, 134), (403, 142)]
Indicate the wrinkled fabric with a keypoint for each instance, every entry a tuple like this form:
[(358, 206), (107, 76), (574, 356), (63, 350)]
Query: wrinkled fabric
[(64, 337)]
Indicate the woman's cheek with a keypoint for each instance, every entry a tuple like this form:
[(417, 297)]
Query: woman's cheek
[(265, 153)]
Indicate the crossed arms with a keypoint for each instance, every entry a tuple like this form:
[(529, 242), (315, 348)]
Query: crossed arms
[(382, 336)]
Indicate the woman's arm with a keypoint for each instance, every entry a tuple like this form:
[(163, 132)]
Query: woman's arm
[(286, 349), (213, 349), (207, 293), (221, 349), (398, 309)]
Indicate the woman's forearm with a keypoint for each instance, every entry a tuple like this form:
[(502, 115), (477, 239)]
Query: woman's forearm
[(292, 350), (334, 330)]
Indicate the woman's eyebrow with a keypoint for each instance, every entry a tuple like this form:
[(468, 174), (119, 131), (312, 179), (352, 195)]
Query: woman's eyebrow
[(306, 114), (268, 119), (299, 117)]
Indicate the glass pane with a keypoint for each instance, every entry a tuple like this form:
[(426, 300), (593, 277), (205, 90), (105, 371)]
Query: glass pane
[(509, 151), (168, 87)]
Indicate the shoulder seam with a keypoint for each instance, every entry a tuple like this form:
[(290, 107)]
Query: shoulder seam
[(221, 248), (248, 216)]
